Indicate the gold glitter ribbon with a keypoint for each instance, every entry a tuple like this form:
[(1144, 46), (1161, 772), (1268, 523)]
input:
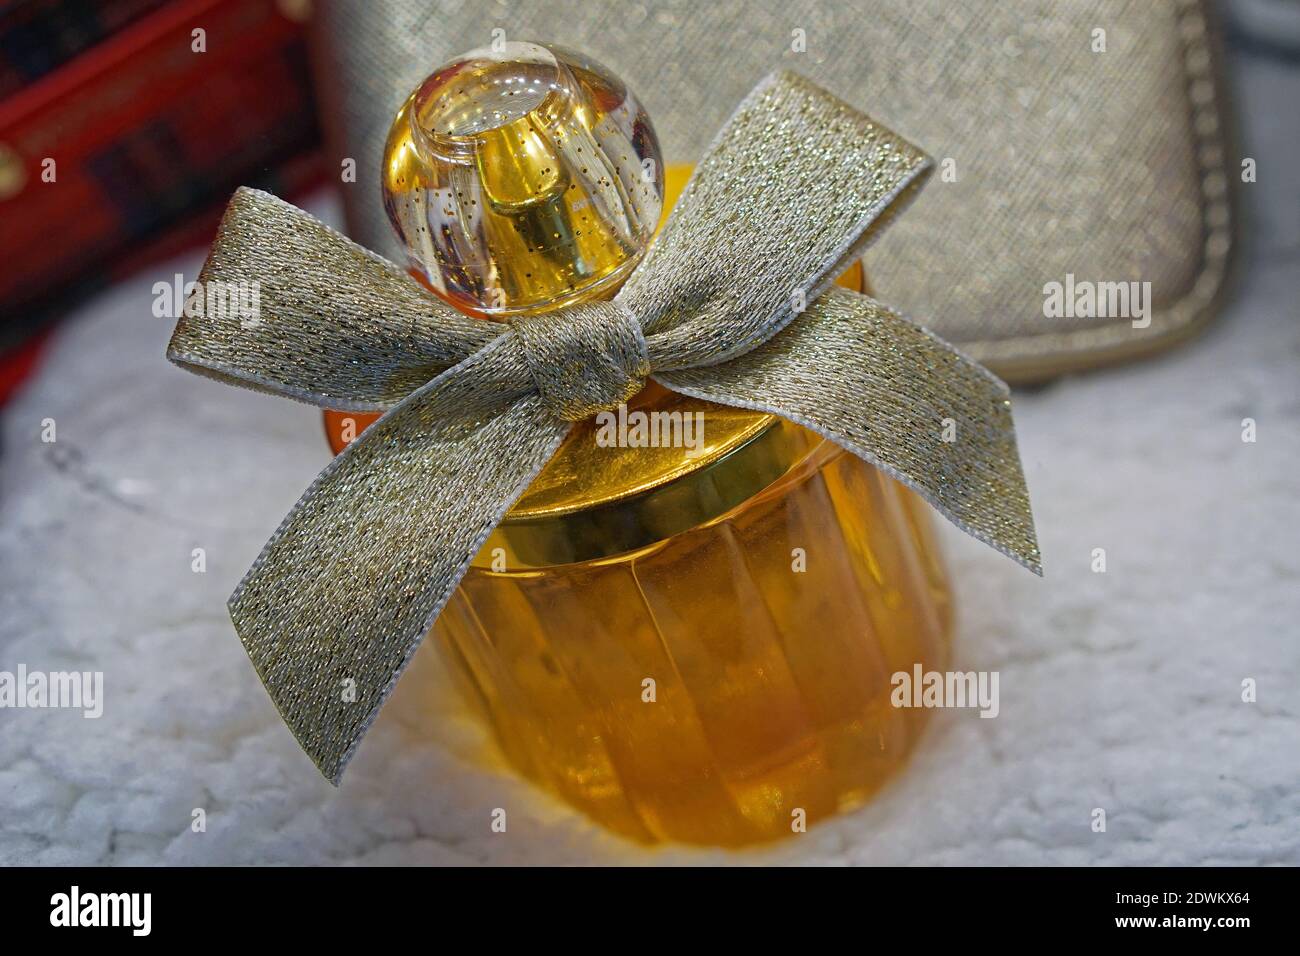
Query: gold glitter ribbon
[(731, 304)]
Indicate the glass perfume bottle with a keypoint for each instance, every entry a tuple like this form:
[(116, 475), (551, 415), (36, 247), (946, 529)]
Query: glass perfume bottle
[(690, 643)]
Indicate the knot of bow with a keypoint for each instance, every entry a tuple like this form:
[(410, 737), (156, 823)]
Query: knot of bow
[(586, 358)]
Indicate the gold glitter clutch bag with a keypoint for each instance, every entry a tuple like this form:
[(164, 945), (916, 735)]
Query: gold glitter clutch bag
[(1082, 146)]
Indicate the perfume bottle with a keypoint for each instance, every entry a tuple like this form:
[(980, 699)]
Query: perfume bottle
[(689, 641)]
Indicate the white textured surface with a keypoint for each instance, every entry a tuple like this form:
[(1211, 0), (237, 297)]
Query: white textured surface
[(1119, 691)]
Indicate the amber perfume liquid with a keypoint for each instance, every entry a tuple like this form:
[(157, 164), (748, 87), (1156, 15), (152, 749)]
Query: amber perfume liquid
[(727, 684)]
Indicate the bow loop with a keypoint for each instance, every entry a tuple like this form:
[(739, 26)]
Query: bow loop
[(382, 336), (584, 359), (792, 190)]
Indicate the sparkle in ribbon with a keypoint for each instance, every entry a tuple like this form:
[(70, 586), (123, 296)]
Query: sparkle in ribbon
[(795, 186)]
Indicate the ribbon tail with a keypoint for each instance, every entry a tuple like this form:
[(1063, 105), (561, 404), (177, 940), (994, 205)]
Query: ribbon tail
[(899, 398), (338, 601)]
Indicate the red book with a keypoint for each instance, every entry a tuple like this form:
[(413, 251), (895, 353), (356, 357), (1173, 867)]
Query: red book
[(144, 135)]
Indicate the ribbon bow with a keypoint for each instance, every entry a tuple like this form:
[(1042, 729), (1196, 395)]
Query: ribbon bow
[(795, 186)]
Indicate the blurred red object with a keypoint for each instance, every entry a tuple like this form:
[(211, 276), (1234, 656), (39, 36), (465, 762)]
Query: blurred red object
[(128, 150), (38, 36)]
